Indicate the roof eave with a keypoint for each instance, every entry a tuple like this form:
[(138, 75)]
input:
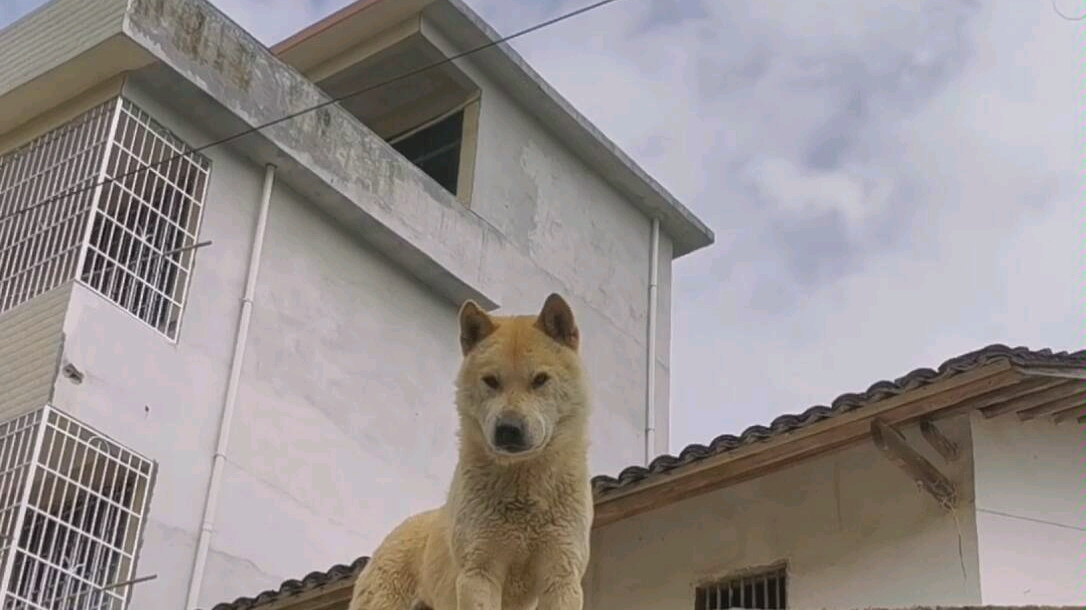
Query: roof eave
[(234, 86), (994, 380), (466, 29)]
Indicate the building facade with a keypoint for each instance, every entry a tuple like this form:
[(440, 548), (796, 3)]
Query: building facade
[(224, 365)]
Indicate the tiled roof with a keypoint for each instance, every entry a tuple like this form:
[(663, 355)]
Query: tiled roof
[(845, 403), (294, 587)]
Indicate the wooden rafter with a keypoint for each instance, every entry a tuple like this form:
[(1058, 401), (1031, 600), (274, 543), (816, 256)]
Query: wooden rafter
[(893, 445)]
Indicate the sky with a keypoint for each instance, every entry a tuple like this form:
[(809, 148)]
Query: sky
[(890, 186)]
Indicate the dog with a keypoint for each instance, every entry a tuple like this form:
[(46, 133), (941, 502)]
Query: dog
[(513, 533)]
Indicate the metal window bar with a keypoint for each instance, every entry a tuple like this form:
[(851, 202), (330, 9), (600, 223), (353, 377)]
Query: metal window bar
[(139, 248), (72, 509), (756, 591), (130, 240), (39, 249)]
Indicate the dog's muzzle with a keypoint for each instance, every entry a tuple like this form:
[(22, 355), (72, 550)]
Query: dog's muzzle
[(511, 434)]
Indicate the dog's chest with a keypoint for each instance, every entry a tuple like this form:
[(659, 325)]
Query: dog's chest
[(520, 590)]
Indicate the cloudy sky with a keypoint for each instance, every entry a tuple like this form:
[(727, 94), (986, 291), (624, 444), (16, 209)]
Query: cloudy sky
[(889, 186)]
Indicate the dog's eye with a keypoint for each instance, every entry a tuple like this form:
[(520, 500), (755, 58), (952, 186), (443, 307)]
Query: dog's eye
[(491, 381), (539, 380)]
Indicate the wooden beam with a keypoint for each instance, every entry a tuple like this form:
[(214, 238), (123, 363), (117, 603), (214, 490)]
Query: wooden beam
[(1052, 407), (1048, 371), (758, 459), (939, 441), (1035, 399), (894, 446), (1075, 406), (1002, 396)]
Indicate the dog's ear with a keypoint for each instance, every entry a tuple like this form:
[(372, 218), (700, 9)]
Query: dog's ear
[(556, 320), (475, 325)]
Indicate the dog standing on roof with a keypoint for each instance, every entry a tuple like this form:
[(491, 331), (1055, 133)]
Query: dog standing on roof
[(514, 531)]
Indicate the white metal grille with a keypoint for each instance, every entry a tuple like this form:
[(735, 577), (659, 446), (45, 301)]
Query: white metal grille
[(72, 509), (143, 196), (141, 243), (51, 177), (765, 590)]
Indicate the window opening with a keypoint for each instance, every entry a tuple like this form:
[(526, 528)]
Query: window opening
[(765, 590), (436, 149)]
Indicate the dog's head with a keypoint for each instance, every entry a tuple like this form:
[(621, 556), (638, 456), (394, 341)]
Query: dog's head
[(521, 384)]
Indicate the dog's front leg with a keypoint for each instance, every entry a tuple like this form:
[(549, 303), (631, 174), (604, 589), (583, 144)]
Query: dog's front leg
[(565, 594), (477, 590)]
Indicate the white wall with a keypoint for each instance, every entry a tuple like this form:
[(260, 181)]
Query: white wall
[(344, 423), (1031, 526), (162, 399), (853, 528), (570, 230)]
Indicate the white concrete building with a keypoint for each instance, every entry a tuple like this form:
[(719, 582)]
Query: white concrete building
[(227, 366), (955, 487)]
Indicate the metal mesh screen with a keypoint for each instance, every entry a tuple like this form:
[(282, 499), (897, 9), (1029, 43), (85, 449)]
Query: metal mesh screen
[(72, 507), (51, 177), (757, 591)]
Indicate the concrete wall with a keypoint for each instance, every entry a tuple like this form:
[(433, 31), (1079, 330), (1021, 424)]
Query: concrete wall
[(344, 421), (854, 530), (1031, 527), (163, 399), (570, 231)]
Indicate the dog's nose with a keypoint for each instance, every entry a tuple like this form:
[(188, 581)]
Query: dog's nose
[(509, 434)]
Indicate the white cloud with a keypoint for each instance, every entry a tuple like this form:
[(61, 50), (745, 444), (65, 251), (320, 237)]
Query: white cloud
[(891, 184), (991, 251)]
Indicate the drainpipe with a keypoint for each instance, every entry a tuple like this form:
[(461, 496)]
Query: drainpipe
[(211, 504), (650, 355)]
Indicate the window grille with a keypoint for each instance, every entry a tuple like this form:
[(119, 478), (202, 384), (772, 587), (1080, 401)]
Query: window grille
[(764, 590), (110, 195), (140, 248), (39, 248), (72, 510)]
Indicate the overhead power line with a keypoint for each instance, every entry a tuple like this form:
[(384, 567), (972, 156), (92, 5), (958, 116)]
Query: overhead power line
[(334, 100)]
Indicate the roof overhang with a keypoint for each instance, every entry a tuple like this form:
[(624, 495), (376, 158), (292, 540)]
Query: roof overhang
[(455, 22), (996, 381), (194, 59)]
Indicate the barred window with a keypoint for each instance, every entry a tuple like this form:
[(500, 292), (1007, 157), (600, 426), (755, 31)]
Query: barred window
[(73, 504), (142, 239), (761, 590), (46, 195)]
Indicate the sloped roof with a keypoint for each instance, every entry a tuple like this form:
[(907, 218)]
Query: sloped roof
[(292, 587), (631, 476), (845, 403)]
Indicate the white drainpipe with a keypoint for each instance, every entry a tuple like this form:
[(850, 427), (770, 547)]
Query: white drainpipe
[(650, 355), (211, 504)]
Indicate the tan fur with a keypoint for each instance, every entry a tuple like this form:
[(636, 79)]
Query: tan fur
[(513, 532)]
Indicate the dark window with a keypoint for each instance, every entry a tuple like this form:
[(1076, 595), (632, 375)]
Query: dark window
[(436, 150), (756, 591)]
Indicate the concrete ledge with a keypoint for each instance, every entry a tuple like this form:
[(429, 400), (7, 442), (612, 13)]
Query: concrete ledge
[(464, 28), (230, 81)]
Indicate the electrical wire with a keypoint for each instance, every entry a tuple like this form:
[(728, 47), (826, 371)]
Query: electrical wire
[(335, 100)]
